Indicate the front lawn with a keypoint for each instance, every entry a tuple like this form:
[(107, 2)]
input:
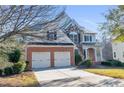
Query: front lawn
[(115, 73), (25, 79)]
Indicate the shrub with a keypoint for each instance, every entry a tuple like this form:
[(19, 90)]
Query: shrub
[(112, 63), (78, 58), (122, 64), (27, 66), (15, 69), (1, 72), (106, 63), (19, 67), (8, 71), (14, 56), (115, 62), (88, 63)]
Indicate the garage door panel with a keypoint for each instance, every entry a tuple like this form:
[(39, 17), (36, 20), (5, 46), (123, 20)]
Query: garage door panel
[(40, 59), (40, 55), (62, 59)]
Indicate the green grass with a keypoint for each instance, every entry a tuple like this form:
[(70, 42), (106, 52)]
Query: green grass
[(115, 73)]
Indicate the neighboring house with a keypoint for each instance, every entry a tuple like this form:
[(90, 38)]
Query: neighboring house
[(54, 49), (107, 50), (118, 51), (107, 46), (85, 40)]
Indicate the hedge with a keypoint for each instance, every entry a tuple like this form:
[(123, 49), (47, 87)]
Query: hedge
[(15, 69), (1, 72), (106, 63), (112, 63), (8, 71)]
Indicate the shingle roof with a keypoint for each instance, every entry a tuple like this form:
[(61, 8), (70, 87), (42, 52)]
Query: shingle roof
[(46, 43), (62, 39)]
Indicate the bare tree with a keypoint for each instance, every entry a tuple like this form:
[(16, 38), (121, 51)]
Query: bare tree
[(18, 19)]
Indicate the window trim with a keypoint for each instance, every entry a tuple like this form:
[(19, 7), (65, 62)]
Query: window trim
[(90, 38), (51, 35), (74, 38)]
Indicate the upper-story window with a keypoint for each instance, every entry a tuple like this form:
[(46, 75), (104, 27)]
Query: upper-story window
[(89, 38), (74, 37), (51, 35), (86, 38)]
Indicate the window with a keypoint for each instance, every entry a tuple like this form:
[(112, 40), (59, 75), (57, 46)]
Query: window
[(90, 38), (71, 37), (51, 35), (86, 38), (114, 54), (74, 37)]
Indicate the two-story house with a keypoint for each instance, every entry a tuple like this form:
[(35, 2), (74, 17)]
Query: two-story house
[(56, 48)]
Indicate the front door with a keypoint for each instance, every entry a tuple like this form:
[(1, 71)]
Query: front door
[(91, 54)]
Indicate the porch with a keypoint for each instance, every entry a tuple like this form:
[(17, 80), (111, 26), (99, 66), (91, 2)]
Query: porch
[(92, 53)]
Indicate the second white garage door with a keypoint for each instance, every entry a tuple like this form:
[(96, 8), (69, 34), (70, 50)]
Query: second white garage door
[(61, 59), (40, 59)]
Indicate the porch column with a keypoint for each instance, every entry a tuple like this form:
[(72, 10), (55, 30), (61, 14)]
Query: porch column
[(86, 53), (95, 50)]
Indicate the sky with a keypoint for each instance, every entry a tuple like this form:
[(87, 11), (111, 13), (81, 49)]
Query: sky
[(89, 16)]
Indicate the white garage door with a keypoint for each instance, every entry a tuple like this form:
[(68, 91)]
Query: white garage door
[(62, 59), (40, 59)]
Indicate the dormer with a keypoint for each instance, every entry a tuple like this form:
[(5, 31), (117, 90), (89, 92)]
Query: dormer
[(51, 35)]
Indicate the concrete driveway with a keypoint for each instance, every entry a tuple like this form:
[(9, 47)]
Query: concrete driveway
[(72, 77)]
